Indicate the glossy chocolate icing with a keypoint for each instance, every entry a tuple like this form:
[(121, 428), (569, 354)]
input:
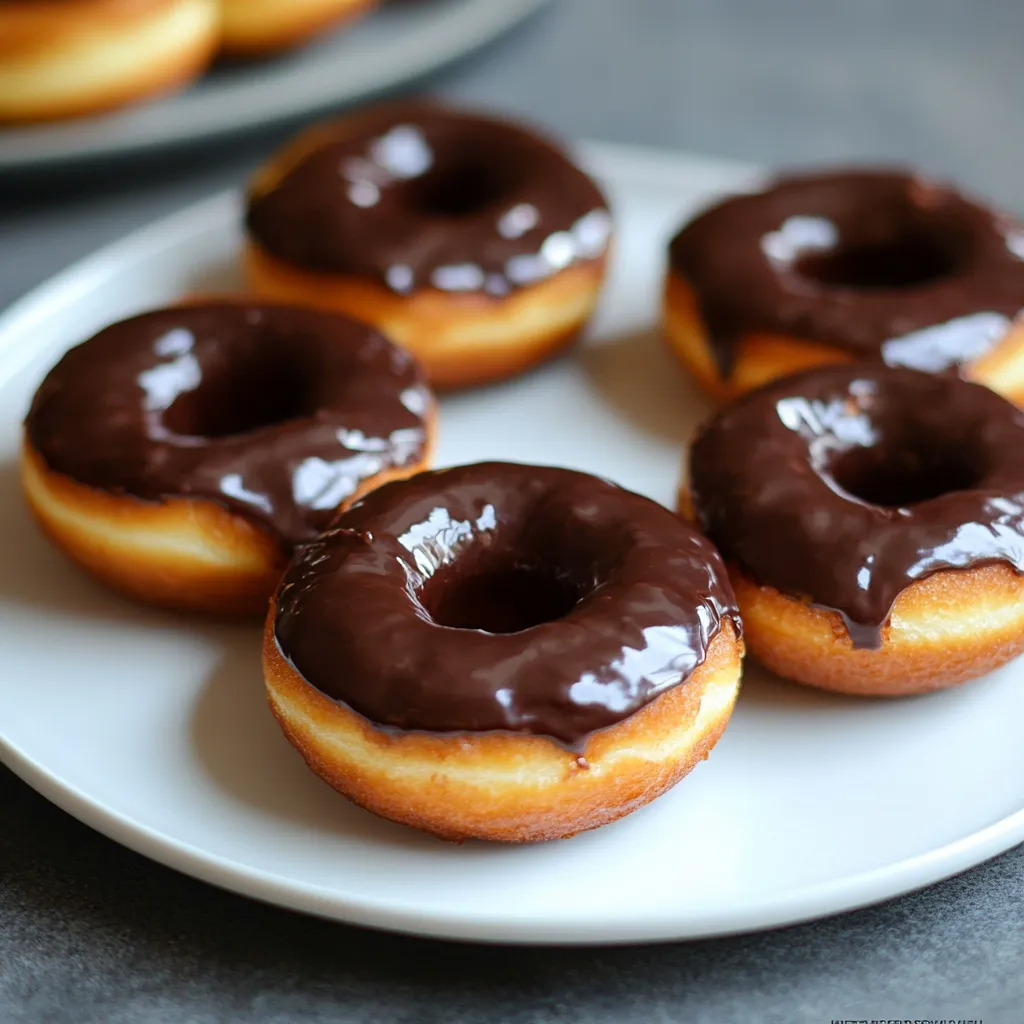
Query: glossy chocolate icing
[(415, 197), (502, 597), (278, 414), (882, 264), (844, 485)]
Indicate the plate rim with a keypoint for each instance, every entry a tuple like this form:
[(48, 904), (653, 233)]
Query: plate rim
[(785, 909), (788, 907), (24, 148)]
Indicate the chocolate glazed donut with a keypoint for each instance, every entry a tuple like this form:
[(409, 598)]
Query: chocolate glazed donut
[(841, 266), (181, 455), (504, 652), (873, 522), (473, 242)]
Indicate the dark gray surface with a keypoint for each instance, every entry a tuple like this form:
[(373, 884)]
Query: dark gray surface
[(92, 933)]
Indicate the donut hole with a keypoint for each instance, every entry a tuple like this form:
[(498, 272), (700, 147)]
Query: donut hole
[(461, 187), (906, 260), (907, 473), (261, 390), (499, 599)]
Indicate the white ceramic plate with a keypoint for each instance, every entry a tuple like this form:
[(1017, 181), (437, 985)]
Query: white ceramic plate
[(153, 729), (401, 41)]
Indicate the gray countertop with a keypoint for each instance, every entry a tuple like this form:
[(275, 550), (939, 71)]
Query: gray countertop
[(92, 933)]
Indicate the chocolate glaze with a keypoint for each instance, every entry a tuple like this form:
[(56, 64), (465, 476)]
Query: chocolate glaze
[(278, 414), (415, 196), (502, 597), (882, 264), (844, 485)]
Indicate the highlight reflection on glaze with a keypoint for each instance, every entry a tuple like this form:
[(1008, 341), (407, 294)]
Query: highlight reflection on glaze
[(275, 413), (502, 597), (419, 197), (882, 264), (845, 485)]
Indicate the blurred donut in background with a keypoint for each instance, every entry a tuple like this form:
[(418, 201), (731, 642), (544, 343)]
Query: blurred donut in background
[(253, 28), (66, 58)]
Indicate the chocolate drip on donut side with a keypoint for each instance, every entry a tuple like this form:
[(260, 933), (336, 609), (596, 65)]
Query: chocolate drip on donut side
[(416, 197), (502, 597), (843, 486), (277, 414), (882, 264)]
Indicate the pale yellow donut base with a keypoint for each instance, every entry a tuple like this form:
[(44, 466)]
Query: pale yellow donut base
[(460, 339), (83, 56), (183, 553), (501, 786), (255, 27), (760, 358)]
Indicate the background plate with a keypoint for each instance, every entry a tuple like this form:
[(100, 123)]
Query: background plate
[(401, 41), (153, 728)]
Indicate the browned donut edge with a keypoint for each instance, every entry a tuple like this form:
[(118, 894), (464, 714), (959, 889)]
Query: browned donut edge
[(460, 340), (946, 629), (250, 31), (760, 358), (55, 39), (188, 554), (502, 786)]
